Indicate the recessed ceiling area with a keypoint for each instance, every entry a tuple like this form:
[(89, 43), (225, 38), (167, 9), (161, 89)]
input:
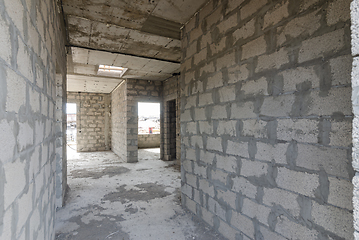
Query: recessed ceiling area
[(140, 35)]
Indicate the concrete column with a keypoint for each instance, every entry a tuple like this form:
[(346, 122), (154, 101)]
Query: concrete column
[(61, 154), (355, 102)]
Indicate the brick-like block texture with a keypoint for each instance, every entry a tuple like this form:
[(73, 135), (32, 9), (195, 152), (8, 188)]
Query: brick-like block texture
[(149, 140), (266, 119), (355, 102), (32, 52), (124, 108), (170, 125), (93, 121), (119, 121)]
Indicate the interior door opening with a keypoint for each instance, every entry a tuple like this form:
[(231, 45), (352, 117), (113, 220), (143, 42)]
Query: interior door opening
[(71, 130), (149, 125)]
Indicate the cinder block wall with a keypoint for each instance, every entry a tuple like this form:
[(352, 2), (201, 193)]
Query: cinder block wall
[(32, 51), (266, 119), (119, 120), (125, 114), (149, 140), (93, 121), (355, 102), (171, 92), (138, 91)]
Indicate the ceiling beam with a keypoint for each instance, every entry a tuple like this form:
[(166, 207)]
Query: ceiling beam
[(126, 54)]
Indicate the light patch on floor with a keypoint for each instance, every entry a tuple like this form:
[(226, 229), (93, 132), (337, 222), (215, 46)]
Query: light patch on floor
[(112, 199)]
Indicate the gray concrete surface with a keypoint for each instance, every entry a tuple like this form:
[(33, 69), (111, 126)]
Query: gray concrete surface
[(149, 140), (93, 121), (112, 199), (266, 119)]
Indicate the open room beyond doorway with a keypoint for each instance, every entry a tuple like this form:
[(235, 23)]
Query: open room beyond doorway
[(149, 125), (71, 130)]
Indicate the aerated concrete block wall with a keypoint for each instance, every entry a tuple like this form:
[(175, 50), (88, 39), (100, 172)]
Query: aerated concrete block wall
[(149, 140), (355, 101), (60, 132), (266, 119), (93, 121), (138, 91), (171, 120), (32, 42), (119, 120), (125, 100)]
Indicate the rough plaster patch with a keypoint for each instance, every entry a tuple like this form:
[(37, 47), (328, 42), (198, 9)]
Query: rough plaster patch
[(111, 171), (148, 191)]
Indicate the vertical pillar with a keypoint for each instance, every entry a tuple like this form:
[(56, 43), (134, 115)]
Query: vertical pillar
[(61, 125), (355, 103)]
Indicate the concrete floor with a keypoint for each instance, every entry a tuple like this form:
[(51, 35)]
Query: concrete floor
[(111, 199)]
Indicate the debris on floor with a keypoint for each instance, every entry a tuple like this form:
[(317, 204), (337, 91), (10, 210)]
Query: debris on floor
[(111, 199)]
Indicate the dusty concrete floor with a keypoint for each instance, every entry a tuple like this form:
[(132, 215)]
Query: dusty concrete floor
[(111, 199)]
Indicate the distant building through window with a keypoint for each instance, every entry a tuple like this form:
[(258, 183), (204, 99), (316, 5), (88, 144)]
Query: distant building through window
[(148, 118)]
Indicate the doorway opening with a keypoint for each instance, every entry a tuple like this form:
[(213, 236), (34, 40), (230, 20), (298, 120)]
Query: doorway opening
[(149, 125), (71, 130), (172, 129)]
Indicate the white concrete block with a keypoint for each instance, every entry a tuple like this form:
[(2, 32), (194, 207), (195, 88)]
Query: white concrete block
[(16, 92), (25, 137), (204, 100), (274, 16), (243, 223), (214, 143), (15, 181), (252, 209), (219, 175), (300, 182), (5, 42), (243, 186), (214, 81), (219, 112), (227, 196), (268, 152), (205, 127), (7, 140), (245, 31), (251, 7), (206, 187), (227, 128), (292, 77), (293, 230), (333, 160), (227, 94), (340, 193), (254, 48), (25, 204), (320, 46), (272, 61), (259, 86), (279, 106), (227, 163), (255, 128), (333, 219), (242, 110), (301, 130), (237, 149), (338, 10), (288, 200), (253, 168)]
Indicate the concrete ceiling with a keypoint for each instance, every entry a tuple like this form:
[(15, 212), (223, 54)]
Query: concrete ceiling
[(141, 35)]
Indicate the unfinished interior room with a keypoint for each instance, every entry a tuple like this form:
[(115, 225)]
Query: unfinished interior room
[(258, 133)]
